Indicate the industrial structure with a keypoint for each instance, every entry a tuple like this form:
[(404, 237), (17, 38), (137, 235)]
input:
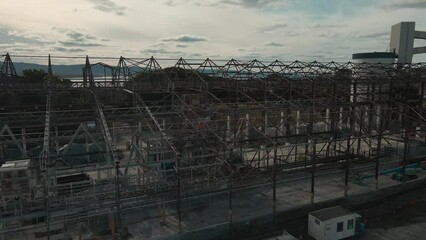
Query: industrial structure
[(149, 141)]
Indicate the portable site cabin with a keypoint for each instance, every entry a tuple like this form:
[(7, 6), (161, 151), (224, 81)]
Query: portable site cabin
[(333, 223), (16, 179)]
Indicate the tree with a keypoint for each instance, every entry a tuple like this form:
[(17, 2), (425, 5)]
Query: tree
[(40, 76), (34, 75)]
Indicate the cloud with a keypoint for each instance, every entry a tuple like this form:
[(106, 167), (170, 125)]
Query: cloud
[(238, 24), (307, 57), (416, 4), (196, 55), (171, 3), (160, 51), (375, 35), (91, 37), (80, 44), (258, 3), (273, 28), (71, 50), (77, 36), (74, 34), (59, 29), (184, 39), (13, 36), (108, 6), (274, 44), (328, 26), (25, 49), (22, 41), (251, 49)]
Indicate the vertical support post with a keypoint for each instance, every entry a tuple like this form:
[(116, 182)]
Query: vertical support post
[(118, 198), (312, 112), (340, 118), (139, 177), (390, 105), (354, 111), (264, 122), (268, 151), (173, 96), (422, 95), (405, 157), (297, 121), (84, 78), (228, 128), (274, 186), (1, 150), (112, 226), (57, 140), (87, 149), (46, 201), (138, 141), (24, 139), (379, 146), (114, 137), (179, 211), (258, 152), (49, 74), (230, 196), (333, 115), (407, 127), (288, 121), (314, 155), (360, 127), (372, 106), (306, 153), (247, 131), (327, 119), (380, 116), (348, 152)]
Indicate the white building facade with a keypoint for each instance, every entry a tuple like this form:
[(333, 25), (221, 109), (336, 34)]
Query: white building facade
[(333, 223)]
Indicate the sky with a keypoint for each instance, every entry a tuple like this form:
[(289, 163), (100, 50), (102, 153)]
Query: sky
[(288, 30)]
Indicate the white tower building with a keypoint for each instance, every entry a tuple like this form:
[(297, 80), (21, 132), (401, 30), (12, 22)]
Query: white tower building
[(402, 41)]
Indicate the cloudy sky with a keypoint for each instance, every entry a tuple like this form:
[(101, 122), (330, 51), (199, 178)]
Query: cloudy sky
[(307, 30)]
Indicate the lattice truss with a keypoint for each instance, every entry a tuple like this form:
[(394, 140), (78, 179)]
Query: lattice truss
[(144, 131)]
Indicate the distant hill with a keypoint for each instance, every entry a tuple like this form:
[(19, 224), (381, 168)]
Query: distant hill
[(76, 70), (61, 70)]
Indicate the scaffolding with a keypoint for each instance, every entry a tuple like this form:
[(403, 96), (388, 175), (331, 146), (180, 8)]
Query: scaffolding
[(144, 140)]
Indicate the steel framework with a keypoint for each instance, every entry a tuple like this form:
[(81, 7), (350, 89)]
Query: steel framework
[(158, 137)]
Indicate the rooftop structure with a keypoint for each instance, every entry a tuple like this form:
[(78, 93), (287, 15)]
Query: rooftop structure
[(15, 165), (401, 47), (374, 57), (333, 223), (330, 213)]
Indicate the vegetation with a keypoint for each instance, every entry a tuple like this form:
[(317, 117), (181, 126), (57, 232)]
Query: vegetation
[(40, 76), (171, 72)]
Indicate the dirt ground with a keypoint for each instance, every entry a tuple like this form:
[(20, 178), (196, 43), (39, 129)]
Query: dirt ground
[(403, 217), (396, 212)]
